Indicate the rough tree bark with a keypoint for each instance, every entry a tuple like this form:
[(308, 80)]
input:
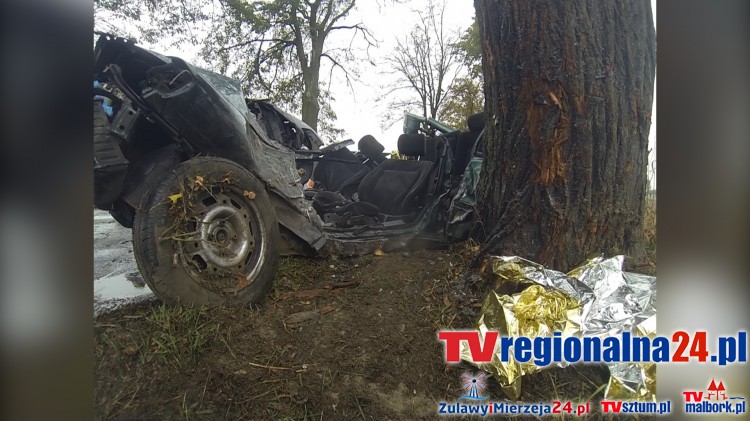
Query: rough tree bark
[(569, 90), (311, 82)]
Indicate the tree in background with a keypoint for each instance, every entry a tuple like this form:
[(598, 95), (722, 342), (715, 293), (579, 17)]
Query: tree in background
[(569, 89), (465, 96), (276, 48), (426, 62)]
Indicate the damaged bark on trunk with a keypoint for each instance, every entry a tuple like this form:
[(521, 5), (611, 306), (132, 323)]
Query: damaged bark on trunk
[(569, 90)]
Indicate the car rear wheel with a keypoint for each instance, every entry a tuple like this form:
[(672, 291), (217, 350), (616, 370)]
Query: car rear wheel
[(207, 234)]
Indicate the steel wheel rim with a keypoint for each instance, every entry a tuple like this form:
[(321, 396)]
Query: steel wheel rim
[(228, 236)]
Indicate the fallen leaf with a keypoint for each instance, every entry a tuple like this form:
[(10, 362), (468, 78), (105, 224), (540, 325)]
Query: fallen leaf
[(130, 350), (249, 194), (326, 309), (175, 197), (228, 179), (241, 282), (379, 252)]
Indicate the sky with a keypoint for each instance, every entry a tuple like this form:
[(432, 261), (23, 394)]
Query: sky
[(358, 108), (359, 112)]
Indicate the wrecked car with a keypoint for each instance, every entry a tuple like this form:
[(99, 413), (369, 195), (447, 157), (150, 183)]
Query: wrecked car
[(216, 186)]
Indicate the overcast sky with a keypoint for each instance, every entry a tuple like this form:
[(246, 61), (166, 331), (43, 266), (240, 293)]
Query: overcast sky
[(360, 113)]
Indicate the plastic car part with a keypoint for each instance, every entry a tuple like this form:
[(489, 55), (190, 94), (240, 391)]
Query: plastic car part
[(110, 166)]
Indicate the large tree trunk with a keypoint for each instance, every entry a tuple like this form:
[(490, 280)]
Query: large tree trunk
[(311, 94), (310, 102), (569, 90)]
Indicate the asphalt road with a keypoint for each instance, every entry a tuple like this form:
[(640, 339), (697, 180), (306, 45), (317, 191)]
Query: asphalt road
[(116, 278)]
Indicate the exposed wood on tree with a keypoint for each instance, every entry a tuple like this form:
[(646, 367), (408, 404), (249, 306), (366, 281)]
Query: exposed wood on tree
[(569, 89)]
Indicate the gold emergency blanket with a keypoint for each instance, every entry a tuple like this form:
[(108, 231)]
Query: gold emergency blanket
[(595, 299)]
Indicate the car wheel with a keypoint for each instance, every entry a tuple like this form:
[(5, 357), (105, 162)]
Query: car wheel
[(207, 234)]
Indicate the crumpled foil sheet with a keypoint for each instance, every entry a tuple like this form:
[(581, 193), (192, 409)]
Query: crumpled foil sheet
[(595, 299)]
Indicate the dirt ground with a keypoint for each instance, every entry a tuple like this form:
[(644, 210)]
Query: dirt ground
[(335, 339)]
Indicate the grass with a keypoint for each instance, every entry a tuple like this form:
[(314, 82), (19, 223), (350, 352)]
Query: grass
[(180, 334), (176, 336), (153, 342), (298, 267), (295, 268), (171, 336)]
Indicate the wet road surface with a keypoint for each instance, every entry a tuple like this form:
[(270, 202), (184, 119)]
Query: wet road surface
[(116, 278)]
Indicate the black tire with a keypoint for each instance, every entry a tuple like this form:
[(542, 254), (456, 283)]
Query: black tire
[(207, 234)]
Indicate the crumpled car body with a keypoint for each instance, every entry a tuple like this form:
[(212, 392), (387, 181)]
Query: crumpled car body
[(152, 113)]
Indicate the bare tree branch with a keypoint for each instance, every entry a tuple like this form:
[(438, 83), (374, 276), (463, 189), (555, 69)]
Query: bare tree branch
[(336, 18), (259, 40), (426, 60)]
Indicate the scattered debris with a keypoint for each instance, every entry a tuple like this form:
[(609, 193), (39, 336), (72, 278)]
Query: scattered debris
[(342, 284), (305, 294), (175, 197), (301, 318), (326, 309)]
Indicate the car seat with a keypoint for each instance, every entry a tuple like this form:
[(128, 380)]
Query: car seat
[(342, 174), (372, 149), (465, 143), (398, 187)]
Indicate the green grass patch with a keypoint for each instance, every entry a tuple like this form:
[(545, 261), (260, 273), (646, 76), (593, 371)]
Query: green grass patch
[(170, 336)]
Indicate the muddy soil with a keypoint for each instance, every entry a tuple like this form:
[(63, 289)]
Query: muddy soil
[(335, 339)]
